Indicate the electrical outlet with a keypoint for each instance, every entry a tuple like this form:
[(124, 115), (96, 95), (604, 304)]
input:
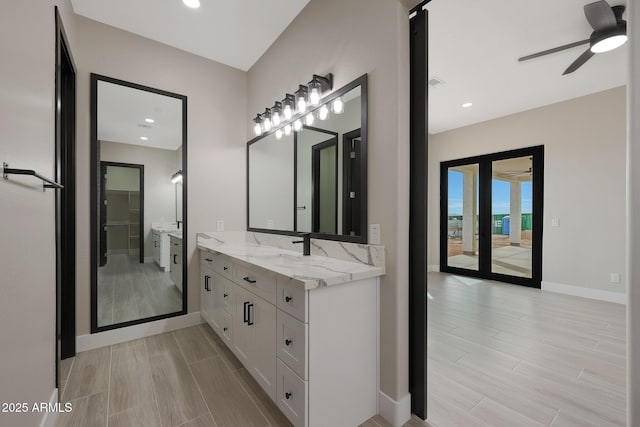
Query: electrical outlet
[(374, 234), (555, 222), (219, 225), (270, 224), (614, 277)]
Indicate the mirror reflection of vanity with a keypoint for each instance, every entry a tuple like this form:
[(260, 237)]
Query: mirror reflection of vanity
[(314, 179), (138, 165)]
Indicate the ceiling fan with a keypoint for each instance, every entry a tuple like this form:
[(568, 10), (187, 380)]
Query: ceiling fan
[(609, 32)]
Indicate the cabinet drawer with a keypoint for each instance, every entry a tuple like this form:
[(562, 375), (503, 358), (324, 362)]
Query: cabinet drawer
[(206, 259), (257, 281), (223, 266), (291, 395), (225, 328), (292, 343), (292, 298)]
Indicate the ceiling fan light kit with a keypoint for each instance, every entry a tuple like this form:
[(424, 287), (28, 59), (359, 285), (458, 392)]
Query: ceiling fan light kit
[(609, 32)]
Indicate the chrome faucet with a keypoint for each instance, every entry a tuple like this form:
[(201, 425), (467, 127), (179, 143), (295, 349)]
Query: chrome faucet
[(306, 243)]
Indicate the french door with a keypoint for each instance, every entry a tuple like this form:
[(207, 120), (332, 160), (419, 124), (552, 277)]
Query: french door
[(491, 216)]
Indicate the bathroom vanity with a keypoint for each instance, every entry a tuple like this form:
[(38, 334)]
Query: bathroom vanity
[(305, 327), (162, 244)]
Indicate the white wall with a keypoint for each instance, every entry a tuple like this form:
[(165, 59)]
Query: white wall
[(349, 39), (27, 228), (159, 191), (584, 182), (216, 136)]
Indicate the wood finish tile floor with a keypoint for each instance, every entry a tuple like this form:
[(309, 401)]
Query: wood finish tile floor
[(184, 378), (506, 355), (128, 290)]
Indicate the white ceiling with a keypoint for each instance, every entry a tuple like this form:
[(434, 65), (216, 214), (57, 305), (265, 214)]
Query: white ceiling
[(233, 32), (122, 112), (474, 47)]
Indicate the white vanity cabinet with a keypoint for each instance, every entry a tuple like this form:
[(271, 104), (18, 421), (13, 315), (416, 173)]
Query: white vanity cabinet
[(314, 351), (161, 251)]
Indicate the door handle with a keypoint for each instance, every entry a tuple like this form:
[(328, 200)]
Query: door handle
[(250, 314)]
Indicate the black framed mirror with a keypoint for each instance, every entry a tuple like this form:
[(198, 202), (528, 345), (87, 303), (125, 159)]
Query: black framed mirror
[(138, 203), (313, 179)]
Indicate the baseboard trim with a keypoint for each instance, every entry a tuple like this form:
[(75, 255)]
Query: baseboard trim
[(115, 336), (49, 418), (148, 259), (396, 412), (578, 291), (433, 268)]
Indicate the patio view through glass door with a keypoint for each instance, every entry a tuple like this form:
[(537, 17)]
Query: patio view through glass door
[(491, 216)]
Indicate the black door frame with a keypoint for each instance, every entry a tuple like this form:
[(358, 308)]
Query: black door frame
[(315, 183), (418, 175), (485, 226), (65, 199), (103, 206)]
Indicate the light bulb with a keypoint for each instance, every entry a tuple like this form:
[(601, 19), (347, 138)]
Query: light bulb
[(287, 129), (297, 125), (302, 105), (314, 96), (279, 134), (609, 43), (275, 118), (267, 124), (323, 113), (337, 106), (308, 119), (257, 129), (288, 112)]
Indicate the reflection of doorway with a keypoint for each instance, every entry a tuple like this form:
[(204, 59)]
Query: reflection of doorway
[(491, 216), (121, 210), (324, 166), (352, 194)]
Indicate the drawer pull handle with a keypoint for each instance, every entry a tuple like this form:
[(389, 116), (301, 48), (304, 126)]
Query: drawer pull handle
[(208, 259), (287, 342), (248, 279), (288, 298), (250, 314), (244, 312), (225, 329), (174, 258), (288, 395), (225, 295), (206, 283), (225, 268)]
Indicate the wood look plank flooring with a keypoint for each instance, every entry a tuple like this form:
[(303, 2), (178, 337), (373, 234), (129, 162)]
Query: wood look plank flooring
[(498, 355)]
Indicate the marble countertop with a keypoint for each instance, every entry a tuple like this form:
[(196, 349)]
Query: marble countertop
[(312, 271)]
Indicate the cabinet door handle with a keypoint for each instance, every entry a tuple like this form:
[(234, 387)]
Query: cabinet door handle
[(225, 329), (225, 295), (288, 395), (244, 314), (208, 259), (250, 314), (206, 283), (248, 279), (287, 342), (174, 258), (288, 298), (225, 268)]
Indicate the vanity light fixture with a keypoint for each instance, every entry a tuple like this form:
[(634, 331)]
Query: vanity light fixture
[(317, 86), (297, 125), (337, 106), (276, 112), (308, 119), (323, 113), (287, 129), (266, 120), (193, 4), (148, 120), (257, 128), (288, 104), (301, 99), (144, 138), (177, 177)]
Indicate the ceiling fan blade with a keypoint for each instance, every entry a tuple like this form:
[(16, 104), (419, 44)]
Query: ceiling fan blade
[(600, 15), (553, 50), (586, 55)]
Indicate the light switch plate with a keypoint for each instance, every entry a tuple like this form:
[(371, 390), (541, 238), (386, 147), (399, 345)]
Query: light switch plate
[(219, 225), (374, 234)]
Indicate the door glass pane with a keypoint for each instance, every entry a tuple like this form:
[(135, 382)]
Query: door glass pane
[(512, 216), (462, 217)]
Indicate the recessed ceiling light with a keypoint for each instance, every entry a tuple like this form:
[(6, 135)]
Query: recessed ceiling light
[(144, 138), (149, 120), (193, 4), (467, 104)]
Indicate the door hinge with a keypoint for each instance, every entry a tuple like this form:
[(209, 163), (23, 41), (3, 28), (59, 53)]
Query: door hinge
[(352, 194), (353, 154)]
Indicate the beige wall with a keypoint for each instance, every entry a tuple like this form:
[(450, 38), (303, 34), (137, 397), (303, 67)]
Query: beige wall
[(350, 39), (216, 108), (584, 182), (159, 191), (27, 250)]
